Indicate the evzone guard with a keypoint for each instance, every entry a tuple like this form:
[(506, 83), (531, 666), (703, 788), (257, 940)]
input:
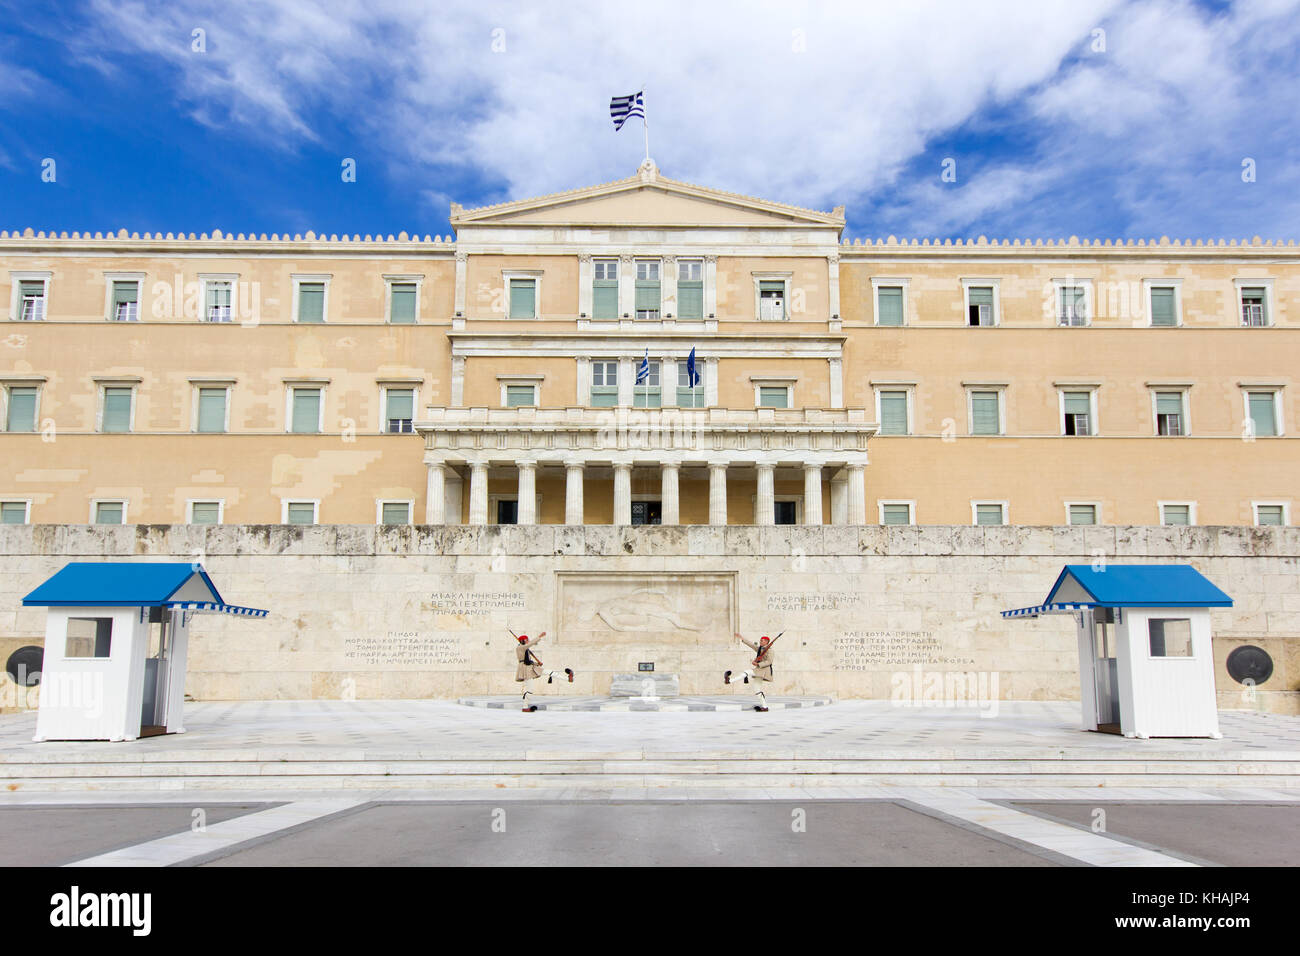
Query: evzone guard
[(530, 667), (760, 671)]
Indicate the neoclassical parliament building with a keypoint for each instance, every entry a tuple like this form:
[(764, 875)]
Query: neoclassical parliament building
[(646, 352)]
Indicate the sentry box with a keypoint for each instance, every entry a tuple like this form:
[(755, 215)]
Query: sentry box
[(116, 637), (1146, 668)]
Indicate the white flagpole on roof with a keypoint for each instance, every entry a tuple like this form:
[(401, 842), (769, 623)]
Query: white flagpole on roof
[(645, 123)]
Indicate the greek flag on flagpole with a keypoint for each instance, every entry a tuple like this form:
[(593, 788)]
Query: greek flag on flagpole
[(622, 108), (693, 375), (643, 370)]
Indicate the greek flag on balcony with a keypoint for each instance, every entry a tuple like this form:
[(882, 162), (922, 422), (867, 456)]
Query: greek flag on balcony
[(693, 375), (622, 108), (643, 370)]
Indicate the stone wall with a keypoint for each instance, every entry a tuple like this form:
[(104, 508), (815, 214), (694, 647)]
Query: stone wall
[(402, 612)]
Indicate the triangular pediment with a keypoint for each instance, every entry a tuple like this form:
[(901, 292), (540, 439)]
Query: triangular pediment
[(646, 199)]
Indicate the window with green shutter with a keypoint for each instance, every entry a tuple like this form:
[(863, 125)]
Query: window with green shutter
[(689, 396), (889, 305), (521, 396), (989, 514), (110, 512), (1176, 514), (523, 298), (305, 414), (604, 384), (1164, 306), (117, 409), (31, 301), (216, 306), (126, 301), (1254, 306), (647, 290), (395, 512), (1074, 305), (401, 303), (690, 289), (896, 514), (20, 415), (1263, 416), (301, 512), (985, 413), (13, 512), (771, 299), (1169, 413), (205, 512), (311, 302), (1269, 515), (893, 413), (604, 289), (648, 393), (399, 413), (979, 305), (773, 397), (1083, 514), (212, 410), (1078, 413)]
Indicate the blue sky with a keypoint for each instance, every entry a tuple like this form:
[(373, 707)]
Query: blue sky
[(1088, 117)]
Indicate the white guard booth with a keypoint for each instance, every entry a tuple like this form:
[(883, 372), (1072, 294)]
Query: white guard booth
[(116, 637), (1146, 667)]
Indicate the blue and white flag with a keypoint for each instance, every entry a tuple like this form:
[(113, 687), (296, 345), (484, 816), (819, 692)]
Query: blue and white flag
[(622, 108), (643, 370), (692, 373)]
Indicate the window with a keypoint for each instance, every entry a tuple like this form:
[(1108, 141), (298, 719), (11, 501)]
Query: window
[(985, 411), (309, 299), (109, 512), (521, 396), (1072, 305), (785, 511), (205, 512), (1270, 515), (889, 305), (88, 637), (394, 512), (647, 393), (20, 410), (31, 295), (690, 289), (647, 512), (604, 384), (647, 289), (604, 289), (211, 416), (117, 408), (893, 412), (980, 305), (1261, 414), (300, 512), (507, 511), (217, 300), (14, 512), (1164, 306), (1169, 413), (1081, 513), (989, 512), (1254, 306), (688, 395), (771, 299), (305, 410), (403, 298), (523, 298), (1176, 513), (1076, 408), (895, 512), (125, 304), (1170, 637), (399, 411), (773, 396)]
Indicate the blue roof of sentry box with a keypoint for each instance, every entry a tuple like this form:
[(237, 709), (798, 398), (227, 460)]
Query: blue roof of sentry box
[(117, 584), (1127, 585)]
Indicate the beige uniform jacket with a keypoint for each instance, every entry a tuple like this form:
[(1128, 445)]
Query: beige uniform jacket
[(763, 669), (525, 671)]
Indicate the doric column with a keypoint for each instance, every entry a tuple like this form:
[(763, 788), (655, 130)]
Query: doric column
[(573, 491), (765, 500), (857, 494), (812, 494), (435, 493), (717, 493), (670, 502), (527, 513), (622, 492), (478, 496)]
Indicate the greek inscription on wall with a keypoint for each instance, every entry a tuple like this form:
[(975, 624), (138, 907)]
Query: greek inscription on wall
[(872, 650), (476, 602), (812, 600), (405, 649)]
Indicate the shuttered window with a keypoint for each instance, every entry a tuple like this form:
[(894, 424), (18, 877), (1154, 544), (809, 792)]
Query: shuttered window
[(217, 303), (984, 413), (893, 413), (690, 289), (1176, 514), (109, 512), (1262, 414), (604, 384), (1078, 413), (305, 414), (1074, 305), (117, 409), (401, 303), (1163, 306), (771, 299), (773, 397), (205, 512), (1083, 514), (399, 415), (896, 514), (31, 301), (13, 512), (520, 396), (126, 301), (989, 514), (604, 289), (20, 416), (395, 512), (1269, 515), (1169, 413), (647, 290), (212, 410), (301, 512), (1254, 306), (648, 393), (889, 304), (523, 298), (311, 302), (980, 305)]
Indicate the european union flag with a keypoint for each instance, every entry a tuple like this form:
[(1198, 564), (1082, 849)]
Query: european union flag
[(692, 373)]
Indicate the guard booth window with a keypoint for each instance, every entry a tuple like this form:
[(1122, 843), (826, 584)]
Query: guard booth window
[(89, 637), (1170, 637)]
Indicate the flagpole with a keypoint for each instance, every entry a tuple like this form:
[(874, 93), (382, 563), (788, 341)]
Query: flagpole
[(645, 123)]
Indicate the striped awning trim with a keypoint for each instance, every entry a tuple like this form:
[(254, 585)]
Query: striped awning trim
[(218, 608), (1061, 608)]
